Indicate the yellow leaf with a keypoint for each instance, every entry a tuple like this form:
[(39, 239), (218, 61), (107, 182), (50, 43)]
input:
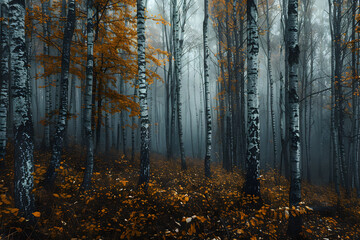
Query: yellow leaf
[(124, 182), (308, 230), (14, 211), (252, 222), (4, 199), (201, 218), (36, 214), (56, 195), (21, 219), (239, 231)]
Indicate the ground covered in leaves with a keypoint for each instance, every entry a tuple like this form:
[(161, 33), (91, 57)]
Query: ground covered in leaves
[(177, 205)]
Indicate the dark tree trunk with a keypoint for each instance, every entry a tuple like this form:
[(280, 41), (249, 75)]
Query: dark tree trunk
[(58, 142)]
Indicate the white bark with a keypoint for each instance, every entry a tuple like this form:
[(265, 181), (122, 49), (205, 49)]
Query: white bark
[(4, 77), (23, 128), (295, 187), (88, 138), (252, 184), (270, 79), (144, 113), (294, 227), (178, 75), (207, 91)]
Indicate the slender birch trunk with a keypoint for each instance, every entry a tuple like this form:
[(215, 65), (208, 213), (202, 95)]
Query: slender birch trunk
[(4, 77), (58, 142), (207, 92), (334, 131), (285, 144), (88, 138), (144, 115), (271, 81), (178, 76), (338, 92), (23, 127), (243, 126), (252, 184), (294, 227)]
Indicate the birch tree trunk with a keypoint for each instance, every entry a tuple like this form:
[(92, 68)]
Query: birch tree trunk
[(178, 66), (88, 138), (285, 144), (58, 141), (207, 92), (4, 77), (338, 119), (271, 81), (333, 127), (242, 127), (252, 184), (144, 115), (294, 227), (23, 128)]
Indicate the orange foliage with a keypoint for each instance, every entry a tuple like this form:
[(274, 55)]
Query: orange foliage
[(177, 205), (115, 50)]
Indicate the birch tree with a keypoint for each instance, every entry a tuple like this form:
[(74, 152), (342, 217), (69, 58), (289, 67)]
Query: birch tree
[(23, 128), (294, 227), (252, 184), (207, 91), (178, 41), (88, 133), (58, 141), (4, 77), (144, 114), (271, 81)]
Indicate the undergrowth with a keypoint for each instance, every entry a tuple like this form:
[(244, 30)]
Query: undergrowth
[(176, 205)]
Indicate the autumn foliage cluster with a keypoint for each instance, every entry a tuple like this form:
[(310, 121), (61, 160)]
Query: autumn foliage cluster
[(115, 52), (176, 205)]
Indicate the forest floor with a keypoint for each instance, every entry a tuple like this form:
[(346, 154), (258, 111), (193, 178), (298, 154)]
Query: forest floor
[(177, 205)]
